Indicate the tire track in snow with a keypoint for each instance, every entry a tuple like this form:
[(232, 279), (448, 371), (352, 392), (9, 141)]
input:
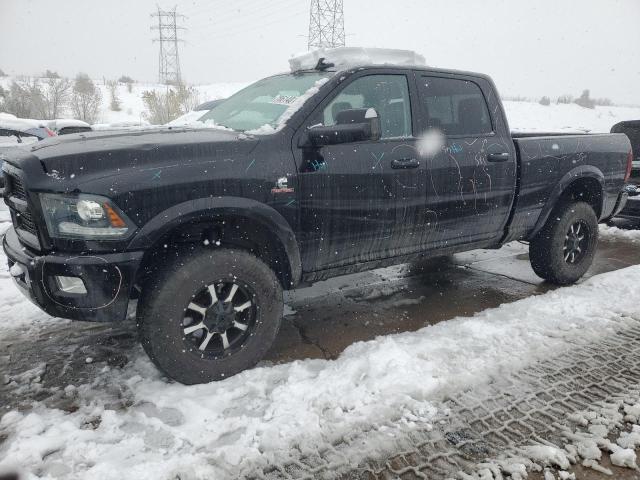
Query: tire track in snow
[(532, 406)]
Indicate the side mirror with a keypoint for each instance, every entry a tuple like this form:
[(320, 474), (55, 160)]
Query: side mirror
[(355, 125)]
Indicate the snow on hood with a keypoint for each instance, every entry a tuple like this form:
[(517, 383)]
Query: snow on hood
[(347, 57)]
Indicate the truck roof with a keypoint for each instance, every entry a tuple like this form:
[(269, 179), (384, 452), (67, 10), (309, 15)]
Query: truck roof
[(349, 58)]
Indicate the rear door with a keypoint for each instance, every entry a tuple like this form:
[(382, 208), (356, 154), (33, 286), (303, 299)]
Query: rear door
[(470, 182), (362, 201)]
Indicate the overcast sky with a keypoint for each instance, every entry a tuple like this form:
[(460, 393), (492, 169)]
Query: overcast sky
[(530, 47)]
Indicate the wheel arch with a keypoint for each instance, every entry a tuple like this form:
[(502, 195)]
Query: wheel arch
[(584, 183), (232, 221)]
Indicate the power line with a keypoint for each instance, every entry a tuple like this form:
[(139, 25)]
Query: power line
[(168, 58), (326, 24), (238, 16), (256, 27)]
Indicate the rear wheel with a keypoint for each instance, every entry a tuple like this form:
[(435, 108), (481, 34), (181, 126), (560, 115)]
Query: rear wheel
[(563, 250), (210, 315)]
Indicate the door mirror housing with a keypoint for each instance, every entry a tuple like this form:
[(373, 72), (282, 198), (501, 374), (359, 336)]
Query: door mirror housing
[(354, 125)]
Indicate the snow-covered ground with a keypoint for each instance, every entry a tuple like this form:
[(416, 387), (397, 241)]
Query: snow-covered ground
[(522, 116), (608, 233), (277, 412)]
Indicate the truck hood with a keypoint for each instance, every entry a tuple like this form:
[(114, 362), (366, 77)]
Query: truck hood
[(97, 154)]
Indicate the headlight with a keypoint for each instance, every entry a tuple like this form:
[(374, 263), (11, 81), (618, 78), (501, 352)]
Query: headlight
[(84, 216)]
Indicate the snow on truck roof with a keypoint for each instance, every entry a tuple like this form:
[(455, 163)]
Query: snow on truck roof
[(348, 57)]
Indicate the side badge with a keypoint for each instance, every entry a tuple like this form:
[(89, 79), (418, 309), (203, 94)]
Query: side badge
[(282, 186)]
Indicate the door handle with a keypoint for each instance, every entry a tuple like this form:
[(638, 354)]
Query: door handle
[(405, 163), (498, 157)]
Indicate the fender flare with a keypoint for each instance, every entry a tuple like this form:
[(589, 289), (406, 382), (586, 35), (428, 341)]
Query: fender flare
[(583, 171), (199, 208)]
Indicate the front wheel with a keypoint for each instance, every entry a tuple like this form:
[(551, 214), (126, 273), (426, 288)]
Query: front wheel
[(563, 250), (210, 315)]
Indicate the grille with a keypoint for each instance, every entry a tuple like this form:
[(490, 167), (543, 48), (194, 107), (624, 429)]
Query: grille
[(22, 220), (16, 188), (25, 222)]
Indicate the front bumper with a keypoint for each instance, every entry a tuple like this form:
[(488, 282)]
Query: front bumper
[(108, 280)]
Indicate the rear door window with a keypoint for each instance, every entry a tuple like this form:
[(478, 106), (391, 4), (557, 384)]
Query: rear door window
[(456, 107)]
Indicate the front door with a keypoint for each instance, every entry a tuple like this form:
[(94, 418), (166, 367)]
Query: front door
[(362, 201)]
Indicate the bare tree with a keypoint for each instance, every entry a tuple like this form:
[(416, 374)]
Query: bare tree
[(565, 99), (54, 97), (162, 107), (188, 97), (85, 99), (18, 100), (114, 103), (50, 74), (35, 97), (128, 81), (585, 100), (603, 102)]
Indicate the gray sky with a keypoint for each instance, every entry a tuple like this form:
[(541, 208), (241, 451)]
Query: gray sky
[(530, 47)]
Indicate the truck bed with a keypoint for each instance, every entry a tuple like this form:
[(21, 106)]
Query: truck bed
[(550, 162)]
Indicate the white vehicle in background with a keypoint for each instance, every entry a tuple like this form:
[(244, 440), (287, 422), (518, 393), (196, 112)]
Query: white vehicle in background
[(66, 126), (14, 130), (18, 131)]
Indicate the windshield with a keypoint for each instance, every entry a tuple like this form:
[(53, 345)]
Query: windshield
[(264, 102)]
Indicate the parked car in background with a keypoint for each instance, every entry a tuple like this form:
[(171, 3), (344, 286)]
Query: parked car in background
[(19, 132), (14, 130), (66, 126), (334, 168), (632, 130), (632, 210)]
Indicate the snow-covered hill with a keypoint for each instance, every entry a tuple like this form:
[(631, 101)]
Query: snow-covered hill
[(132, 106), (522, 116)]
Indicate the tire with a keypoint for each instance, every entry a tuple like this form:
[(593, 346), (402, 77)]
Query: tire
[(180, 323), (554, 251)]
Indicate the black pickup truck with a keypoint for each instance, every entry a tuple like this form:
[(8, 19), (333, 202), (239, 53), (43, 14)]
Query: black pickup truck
[(302, 176)]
